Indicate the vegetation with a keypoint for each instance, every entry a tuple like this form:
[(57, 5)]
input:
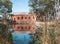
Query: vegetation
[(38, 36), (49, 35), (5, 35), (7, 4), (5, 8), (43, 8)]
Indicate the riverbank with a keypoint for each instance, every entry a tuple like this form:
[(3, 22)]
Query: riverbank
[(43, 23)]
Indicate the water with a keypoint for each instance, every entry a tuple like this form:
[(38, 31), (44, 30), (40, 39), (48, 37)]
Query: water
[(21, 33), (21, 38)]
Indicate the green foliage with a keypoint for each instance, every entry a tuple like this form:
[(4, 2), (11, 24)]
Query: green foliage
[(37, 38), (42, 7), (7, 4), (5, 36), (50, 35)]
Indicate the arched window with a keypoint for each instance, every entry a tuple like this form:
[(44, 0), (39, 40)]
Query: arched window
[(29, 27), (29, 17), (25, 17), (22, 17), (18, 27), (21, 27), (18, 18), (25, 27)]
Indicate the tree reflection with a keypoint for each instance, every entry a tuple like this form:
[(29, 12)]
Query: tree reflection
[(5, 35)]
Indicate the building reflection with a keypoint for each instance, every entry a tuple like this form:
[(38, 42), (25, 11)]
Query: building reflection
[(30, 28)]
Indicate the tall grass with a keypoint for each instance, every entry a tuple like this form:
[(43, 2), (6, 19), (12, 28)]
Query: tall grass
[(47, 35)]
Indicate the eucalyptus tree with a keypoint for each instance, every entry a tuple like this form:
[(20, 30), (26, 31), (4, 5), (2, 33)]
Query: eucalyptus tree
[(5, 7), (42, 7), (7, 4)]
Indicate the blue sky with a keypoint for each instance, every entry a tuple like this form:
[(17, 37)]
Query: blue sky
[(20, 6)]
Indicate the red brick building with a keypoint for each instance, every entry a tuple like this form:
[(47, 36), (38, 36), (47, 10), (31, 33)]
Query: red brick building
[(19, 18)]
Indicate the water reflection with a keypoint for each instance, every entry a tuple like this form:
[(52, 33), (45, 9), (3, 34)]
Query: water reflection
[(21, 33), (5, 35), (19, 38), (16, 33), (24, 28)]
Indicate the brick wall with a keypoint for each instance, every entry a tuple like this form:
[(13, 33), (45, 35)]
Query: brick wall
[(24, 18)]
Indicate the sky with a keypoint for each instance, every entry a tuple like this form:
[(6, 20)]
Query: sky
[(20, 6)]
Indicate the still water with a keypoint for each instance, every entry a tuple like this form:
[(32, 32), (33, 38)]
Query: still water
[(19, 33), (21, 38)]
